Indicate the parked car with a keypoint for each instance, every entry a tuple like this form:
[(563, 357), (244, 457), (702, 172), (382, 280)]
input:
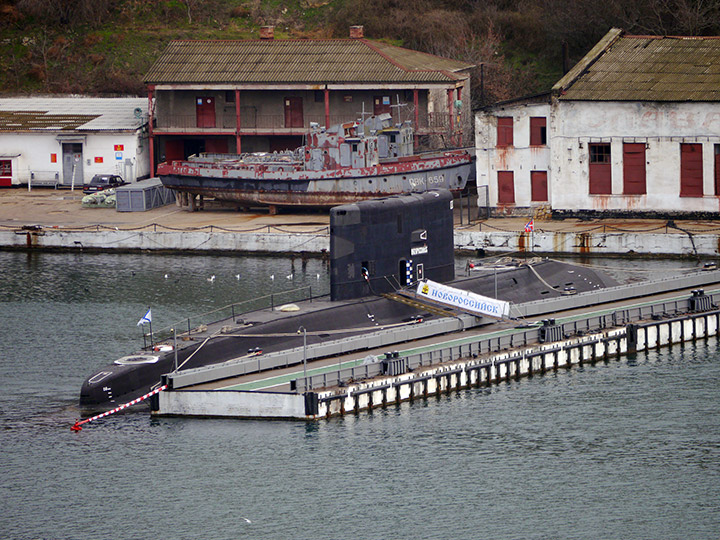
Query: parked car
[(100, 182)]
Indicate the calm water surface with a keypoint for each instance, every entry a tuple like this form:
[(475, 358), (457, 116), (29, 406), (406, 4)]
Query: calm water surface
[(625, 449)]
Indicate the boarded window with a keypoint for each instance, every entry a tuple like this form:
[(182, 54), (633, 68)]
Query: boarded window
[(691, 173), (634, 169), (538, 186), (538, 131), (600, 177), (717, 169), (506, 187), (504, 131)]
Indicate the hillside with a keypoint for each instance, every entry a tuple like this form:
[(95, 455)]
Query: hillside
[(106, 46)]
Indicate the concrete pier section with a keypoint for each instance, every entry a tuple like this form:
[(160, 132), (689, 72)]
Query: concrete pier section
[(604, 325)]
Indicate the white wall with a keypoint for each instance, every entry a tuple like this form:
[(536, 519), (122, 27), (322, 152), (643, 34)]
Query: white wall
[(35, 151), (520, 158), (662, 127)]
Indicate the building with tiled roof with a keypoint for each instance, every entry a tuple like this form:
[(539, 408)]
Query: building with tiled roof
[(632, 130), (262, 95), (65, 141)]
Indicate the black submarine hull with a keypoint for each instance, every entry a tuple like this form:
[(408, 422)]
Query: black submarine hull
[(271, 331)]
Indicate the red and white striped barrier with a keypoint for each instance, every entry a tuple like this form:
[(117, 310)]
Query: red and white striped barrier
[(76, 426)]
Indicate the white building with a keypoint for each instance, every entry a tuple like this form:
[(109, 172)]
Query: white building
[(67, 140), (631, 130)]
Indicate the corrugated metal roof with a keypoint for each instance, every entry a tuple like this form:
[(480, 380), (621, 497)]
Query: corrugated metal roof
[(71, 113), (646, 68), (298, 61)]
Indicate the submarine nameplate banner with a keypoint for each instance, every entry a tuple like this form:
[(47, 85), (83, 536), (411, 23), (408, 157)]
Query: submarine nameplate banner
[(474, 303)]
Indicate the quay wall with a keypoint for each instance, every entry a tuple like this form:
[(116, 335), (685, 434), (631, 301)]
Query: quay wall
[(317, 242), (461, 367)]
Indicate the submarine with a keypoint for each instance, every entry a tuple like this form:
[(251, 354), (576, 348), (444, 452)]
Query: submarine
[(377, 249)]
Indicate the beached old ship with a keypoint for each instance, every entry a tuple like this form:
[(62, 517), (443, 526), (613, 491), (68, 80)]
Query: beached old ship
[(346, 163)]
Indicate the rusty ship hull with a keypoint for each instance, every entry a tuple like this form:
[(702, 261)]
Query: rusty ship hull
[(285, 186)]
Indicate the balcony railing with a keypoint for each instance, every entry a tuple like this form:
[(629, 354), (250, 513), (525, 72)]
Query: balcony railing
[(269, 123)]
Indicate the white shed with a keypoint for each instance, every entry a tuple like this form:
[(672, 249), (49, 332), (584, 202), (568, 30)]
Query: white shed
[(632, 130), (67, 140)]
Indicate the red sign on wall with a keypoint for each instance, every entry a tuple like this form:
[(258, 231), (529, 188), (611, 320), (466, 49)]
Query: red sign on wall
[(53, 158), (119, 147), (98, 159)]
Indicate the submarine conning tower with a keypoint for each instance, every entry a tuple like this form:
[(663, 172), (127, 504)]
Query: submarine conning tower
[(381, 245)]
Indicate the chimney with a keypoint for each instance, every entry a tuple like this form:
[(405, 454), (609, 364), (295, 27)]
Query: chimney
[(357, 32), (267, 32)]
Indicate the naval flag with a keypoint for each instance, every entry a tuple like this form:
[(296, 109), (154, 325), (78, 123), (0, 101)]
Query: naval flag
[(530, 226), (147, 319)]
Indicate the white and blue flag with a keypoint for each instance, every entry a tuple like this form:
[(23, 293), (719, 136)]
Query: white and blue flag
[(147, 319)]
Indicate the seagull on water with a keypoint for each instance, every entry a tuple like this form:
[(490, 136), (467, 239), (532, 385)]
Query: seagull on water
[(290, 275), (246, 519), (272, 277), (237, 276), (211, 279), (166, 276)]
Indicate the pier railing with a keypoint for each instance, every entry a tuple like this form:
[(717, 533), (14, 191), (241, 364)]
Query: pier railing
[(395, 365), (198, 324)]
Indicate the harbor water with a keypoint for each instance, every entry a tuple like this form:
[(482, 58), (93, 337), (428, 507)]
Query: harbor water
[(628, 448)]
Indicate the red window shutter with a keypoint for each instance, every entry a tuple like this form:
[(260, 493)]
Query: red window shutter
[(538, 186), (691, 173), (504, 131), (506, 187), (538, 134), (600, 169), (634, 169)]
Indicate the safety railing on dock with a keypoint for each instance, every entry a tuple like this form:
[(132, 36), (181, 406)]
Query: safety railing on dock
[(198, 323), (578, 327)]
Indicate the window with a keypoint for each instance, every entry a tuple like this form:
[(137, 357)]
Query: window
[(691, 173), (229, 96), (506, 187), (538, 186), (319, 96), (538, 131), (504, 131), (600, 177), (634, 169)]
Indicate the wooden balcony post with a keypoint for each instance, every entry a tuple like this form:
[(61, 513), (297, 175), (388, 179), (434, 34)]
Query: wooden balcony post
[(416, 104), (151, 138), (327, 108), (237, 121)]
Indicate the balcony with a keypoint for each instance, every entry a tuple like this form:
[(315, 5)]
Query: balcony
[(252, 123)]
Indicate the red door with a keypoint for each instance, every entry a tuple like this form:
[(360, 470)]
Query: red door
[(216, 146), (634, 169), (5, 172), (174, 151), (381, 104), (538, 186), (293, 112), (205, 109), (506, 187), (691, 173)]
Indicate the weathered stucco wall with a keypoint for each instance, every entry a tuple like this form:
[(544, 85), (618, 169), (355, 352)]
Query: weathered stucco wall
[(662, 127)]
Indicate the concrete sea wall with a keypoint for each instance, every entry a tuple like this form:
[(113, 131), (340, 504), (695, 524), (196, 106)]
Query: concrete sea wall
[(271, 242)]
